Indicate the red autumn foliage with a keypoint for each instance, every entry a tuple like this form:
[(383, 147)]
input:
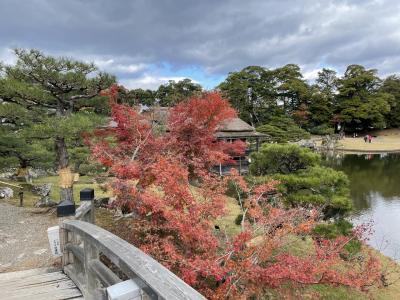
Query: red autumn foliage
[(258, 259), (174, 221)]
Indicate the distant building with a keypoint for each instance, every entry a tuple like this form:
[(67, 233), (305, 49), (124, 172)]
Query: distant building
[(236, 129), (229, 130)]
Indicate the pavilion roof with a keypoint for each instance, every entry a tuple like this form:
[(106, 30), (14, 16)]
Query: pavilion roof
[(230, 128)]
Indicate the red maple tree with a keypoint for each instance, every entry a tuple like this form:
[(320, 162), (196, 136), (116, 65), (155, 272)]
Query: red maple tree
[(165, 184), (260, 257)]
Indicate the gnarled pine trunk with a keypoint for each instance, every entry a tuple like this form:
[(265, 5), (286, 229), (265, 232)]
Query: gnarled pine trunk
[(66, 177)]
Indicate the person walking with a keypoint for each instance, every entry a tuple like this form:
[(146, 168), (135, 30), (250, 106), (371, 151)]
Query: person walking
[(366, 138), (369, 138)]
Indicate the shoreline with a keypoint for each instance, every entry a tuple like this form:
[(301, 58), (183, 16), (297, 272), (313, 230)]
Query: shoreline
[(362, 151), (383, 141)]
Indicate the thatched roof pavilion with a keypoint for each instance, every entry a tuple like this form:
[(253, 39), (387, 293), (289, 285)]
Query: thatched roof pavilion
[(229, 130), (236, 128)]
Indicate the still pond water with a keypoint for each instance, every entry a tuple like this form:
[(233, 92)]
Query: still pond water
[(375, 191)]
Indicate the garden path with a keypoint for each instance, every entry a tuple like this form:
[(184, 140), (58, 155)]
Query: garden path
[(23, 238)]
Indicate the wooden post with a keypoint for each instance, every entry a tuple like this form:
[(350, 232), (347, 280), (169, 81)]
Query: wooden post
[(63, 243), (92, 285), (21, 198), (92, 215)]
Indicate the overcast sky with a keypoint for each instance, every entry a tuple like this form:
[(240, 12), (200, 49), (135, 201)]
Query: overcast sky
[(146, 42)]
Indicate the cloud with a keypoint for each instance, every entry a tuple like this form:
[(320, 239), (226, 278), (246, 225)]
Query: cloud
[(7, 56), (148, 81), (130, 37), (311, 75), (110, 65)]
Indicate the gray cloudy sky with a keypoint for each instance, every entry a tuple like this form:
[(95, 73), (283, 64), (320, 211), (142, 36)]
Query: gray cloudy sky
[(146, 42)]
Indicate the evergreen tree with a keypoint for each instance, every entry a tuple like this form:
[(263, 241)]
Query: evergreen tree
[(391, 85), (283, 129), (136, 97), (361, 105), (303, 181), (58, 89), (292, 89), (17, 150), (174, 92), (322, 102), (251, 92)]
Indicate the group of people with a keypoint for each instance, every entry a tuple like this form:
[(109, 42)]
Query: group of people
[(368, 138)]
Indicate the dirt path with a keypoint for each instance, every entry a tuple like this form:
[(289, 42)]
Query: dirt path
[(23, 238)]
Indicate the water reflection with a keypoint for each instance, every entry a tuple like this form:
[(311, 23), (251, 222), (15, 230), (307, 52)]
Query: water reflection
[(375, 191), (370, 174)]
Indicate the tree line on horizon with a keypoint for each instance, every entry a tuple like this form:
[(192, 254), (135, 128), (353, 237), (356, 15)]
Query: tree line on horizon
[(281, 100), (52, 101)]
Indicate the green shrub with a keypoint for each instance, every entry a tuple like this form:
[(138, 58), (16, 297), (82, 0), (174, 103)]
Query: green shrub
[(323, 129), (351, 248), (333, 230), (275, 134), (318, 186), (282, 130), (238, 220), (339, 228), (303, 181), (283, 159)]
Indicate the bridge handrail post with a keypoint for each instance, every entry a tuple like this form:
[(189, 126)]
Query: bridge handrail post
[(92, 284), (153, 278)]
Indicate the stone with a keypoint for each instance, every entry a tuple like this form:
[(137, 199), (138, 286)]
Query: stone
[(43, 191), (306, 144), (329, 142), (7, 174), (6, 193), (102, 202), (45, 203)]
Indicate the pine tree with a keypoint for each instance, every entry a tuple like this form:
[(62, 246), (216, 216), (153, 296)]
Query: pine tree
[(17, 150), (56, 89)]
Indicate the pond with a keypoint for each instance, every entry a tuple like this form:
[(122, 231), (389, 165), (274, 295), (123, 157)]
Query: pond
[(375, 191)]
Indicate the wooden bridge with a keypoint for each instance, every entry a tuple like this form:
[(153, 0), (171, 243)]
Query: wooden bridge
[(94, 259)]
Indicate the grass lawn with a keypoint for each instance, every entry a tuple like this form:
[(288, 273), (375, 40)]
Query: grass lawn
[(227, 222), (386, 140), (84, 182), (31, 198)]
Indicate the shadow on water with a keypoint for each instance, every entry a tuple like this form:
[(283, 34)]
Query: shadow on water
[(375, 191)]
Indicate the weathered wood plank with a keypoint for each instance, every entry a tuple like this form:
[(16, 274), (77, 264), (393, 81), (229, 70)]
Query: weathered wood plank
[(26, 273), (83, 209), (36, 284), (133, 262), (76, 251), (105, 275)]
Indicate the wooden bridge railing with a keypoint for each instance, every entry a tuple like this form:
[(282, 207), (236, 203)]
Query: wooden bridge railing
[(84, 244)]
